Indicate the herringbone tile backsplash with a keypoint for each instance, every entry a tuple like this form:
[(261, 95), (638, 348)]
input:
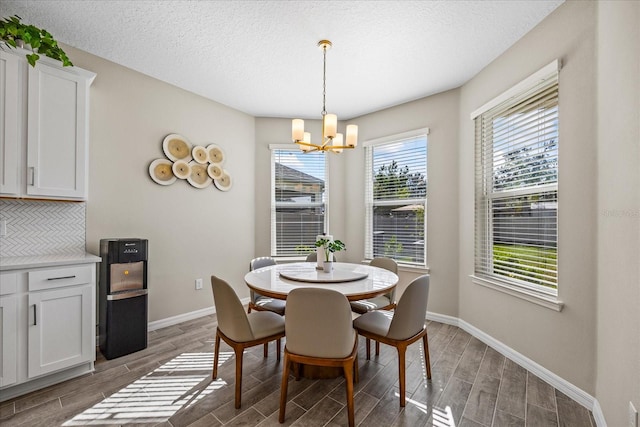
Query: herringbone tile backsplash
[(42, 228)]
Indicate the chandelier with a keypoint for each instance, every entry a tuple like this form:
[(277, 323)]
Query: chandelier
[(331, 139)]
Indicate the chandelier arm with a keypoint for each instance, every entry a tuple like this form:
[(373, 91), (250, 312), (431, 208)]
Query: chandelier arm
[(324, 80)]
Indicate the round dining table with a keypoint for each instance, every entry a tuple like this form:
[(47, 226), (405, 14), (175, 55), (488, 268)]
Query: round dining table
[(355, 281)]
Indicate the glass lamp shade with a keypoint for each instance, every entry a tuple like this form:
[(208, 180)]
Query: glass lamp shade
[(330, 124), (297, 129), (337, 142), (352, 135)]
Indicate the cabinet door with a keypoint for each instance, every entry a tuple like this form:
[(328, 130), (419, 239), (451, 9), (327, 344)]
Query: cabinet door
[(61, 329), (8, 339), (57, 133), (11, 119)]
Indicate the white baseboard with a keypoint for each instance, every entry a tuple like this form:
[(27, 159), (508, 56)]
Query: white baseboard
[(174, 320), (575, 393)]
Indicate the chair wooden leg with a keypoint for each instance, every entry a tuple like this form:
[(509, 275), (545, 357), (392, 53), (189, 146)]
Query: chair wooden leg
[(283, 388), (266, 349), (278, 345), (367, 342), (216, 353), (377, 348), (401, 373), (425, 341), (348, 376), (356, 371), (239, 352)]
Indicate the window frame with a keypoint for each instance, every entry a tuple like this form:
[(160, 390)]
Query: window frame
[(274, 148), (369, 147), (484, 198)]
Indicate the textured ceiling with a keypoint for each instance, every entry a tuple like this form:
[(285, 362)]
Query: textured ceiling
[(260, 57)]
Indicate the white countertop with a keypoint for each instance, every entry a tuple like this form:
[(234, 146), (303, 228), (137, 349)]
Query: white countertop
[(36, 261)]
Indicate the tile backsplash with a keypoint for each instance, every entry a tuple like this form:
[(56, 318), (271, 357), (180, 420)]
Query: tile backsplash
[(36, 227)]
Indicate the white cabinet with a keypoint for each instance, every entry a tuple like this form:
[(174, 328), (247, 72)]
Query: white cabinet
[(48, 326), (44, 128), (8, 329)]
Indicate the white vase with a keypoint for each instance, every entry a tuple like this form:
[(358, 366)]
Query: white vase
[(328, 266)]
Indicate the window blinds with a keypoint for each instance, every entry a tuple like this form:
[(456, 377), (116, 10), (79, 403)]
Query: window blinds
[(396, 183), (516, 195), (298, 201)]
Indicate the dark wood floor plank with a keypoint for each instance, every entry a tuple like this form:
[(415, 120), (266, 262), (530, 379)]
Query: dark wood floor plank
[(469, 364), (320, 414), (363, 404), (455, 396), (207, 421), (386, 410), (570, 413), (513, 390), (540, 393), (292, 414), (459, 342), (249, 417), (540, 417), (314, 393), (466, 422), (502, 419), (271, 403), (482, 400), (492, 364)]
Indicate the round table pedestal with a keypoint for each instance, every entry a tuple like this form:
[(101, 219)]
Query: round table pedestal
[(317, 372)]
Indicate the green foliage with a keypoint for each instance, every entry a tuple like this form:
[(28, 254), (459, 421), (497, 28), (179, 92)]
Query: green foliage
[(394, 182), (529, 261), (330, 246), (40, 41), (392, 248)]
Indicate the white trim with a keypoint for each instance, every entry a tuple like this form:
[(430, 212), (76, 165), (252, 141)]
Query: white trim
[(524, 85), (396, 137), (293, 146), (544, 300), (443, 318), (174, 320), (598, 416), (575, 393)]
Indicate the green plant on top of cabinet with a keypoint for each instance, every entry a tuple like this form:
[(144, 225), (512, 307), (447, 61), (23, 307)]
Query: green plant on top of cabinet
[(46, 109), (15, 34)]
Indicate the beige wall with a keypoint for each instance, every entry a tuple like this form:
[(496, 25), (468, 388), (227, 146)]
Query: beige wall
[(193, 233), (565, 342), (618, 210)]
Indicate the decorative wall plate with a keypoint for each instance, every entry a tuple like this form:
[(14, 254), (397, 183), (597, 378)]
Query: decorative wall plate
[(216, 155), (200, 154), (160, 171), (199, 177), (177, 147), (224, 182), (214, 171), (181, 169)]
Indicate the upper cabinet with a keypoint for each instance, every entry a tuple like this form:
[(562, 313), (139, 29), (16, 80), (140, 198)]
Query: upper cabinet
[(44, 128)]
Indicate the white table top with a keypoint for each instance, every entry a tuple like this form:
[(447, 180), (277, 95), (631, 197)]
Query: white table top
[(269, 282)]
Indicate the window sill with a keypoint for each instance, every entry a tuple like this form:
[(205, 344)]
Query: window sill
[(547, 301)]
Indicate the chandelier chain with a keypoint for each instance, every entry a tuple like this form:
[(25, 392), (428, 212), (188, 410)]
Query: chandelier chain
[(324, 80)]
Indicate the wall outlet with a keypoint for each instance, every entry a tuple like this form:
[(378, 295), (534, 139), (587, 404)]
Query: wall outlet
[(198, 284), (633, 416)]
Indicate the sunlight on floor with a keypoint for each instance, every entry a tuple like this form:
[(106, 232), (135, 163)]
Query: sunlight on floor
[(159, 394), (441, 417)]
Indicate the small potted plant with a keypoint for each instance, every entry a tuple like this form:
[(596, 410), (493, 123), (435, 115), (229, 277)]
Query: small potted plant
[(330, 247), (16, 34)]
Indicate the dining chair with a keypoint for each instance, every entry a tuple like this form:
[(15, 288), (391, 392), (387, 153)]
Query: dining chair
[(320, 333), (313, 257), (260, 302), (241, 330), (400, 328), (383, 302)]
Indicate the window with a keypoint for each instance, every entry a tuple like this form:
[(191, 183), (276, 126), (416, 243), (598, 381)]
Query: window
[(516, 195), (298, 200), (396, 197)]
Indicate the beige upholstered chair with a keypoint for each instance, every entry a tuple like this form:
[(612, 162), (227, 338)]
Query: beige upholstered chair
[(313, 257), (383, 302), (320, 332), (400, 328), (241, 330), (260, 302)]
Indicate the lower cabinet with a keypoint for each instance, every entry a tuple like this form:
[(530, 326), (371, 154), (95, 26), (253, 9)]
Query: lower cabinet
[(8, 330), (48, 318), (60, 329)]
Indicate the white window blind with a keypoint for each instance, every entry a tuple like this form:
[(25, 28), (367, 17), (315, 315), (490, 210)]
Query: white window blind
[(516, 195), (396, 197), (298, 201)]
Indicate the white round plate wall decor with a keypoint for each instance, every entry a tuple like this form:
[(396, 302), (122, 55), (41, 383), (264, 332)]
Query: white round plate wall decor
[(160, 171), (214, 171), (198, 177), (200, 154), (224, 182), (177, 147), (181, 169), (216, 154)]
